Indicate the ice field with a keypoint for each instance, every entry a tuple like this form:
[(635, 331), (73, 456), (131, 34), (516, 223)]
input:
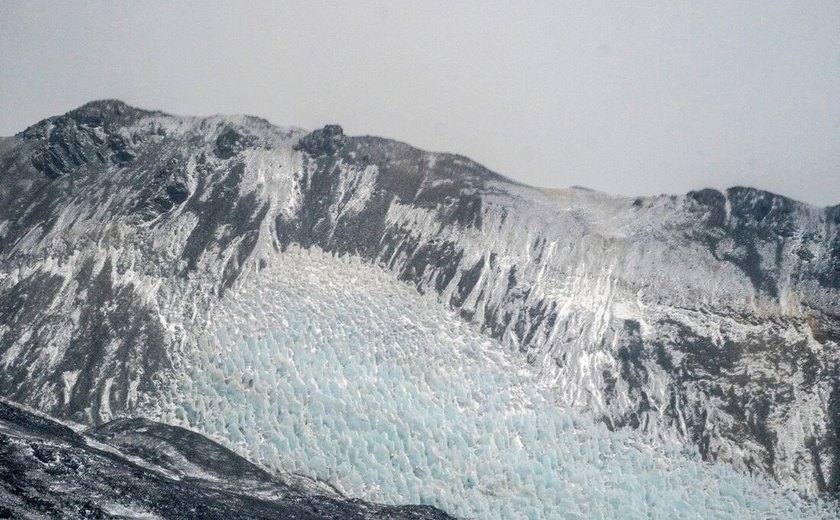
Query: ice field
[(329, 368)]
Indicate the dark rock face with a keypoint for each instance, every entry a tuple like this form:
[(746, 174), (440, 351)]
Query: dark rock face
[(230, 142), (755, 217), (710, 319), (450, 186), (82, 136), (325, 141), (105, 311), (168, 189), (140, 467)]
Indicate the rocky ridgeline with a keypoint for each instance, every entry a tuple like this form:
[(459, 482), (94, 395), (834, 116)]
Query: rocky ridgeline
[(709, 319)]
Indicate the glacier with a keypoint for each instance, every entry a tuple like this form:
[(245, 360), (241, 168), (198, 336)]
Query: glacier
[(327, 367), (153, 265)]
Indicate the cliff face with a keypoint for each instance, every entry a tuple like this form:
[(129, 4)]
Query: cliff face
[(710, 319)]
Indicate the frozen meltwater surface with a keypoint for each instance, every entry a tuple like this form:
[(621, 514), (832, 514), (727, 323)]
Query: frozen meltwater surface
[(329, 368)]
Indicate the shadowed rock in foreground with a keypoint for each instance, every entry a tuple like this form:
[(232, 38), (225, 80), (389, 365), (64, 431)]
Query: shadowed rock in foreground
[(142, 469)]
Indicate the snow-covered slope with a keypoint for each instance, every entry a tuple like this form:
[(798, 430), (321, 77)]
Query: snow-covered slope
[(708, 320)]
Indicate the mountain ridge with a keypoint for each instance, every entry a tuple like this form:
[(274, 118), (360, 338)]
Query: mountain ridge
[(115, 105), (708, 319)]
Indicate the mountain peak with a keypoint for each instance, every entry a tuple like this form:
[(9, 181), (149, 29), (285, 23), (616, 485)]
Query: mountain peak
[(95, 113), (92, 114), (105, 105), (324, 141)]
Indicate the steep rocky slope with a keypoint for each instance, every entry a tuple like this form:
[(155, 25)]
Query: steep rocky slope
[(710, 319)]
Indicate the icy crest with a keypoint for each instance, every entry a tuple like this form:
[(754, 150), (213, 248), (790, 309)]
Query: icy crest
[(329, 368)]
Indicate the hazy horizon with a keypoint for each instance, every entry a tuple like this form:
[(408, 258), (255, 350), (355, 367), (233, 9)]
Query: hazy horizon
[(631, 100)]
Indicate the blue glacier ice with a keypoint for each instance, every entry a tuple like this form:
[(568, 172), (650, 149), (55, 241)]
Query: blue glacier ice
[(332, 369)]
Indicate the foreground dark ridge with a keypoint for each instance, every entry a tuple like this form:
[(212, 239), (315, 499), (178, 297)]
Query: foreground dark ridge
[(135, 468), (709, 319)]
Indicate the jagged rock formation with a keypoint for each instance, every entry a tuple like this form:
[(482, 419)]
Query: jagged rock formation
[(710, 319)]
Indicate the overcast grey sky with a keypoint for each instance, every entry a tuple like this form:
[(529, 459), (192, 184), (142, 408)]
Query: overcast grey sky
[(623, 97)]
